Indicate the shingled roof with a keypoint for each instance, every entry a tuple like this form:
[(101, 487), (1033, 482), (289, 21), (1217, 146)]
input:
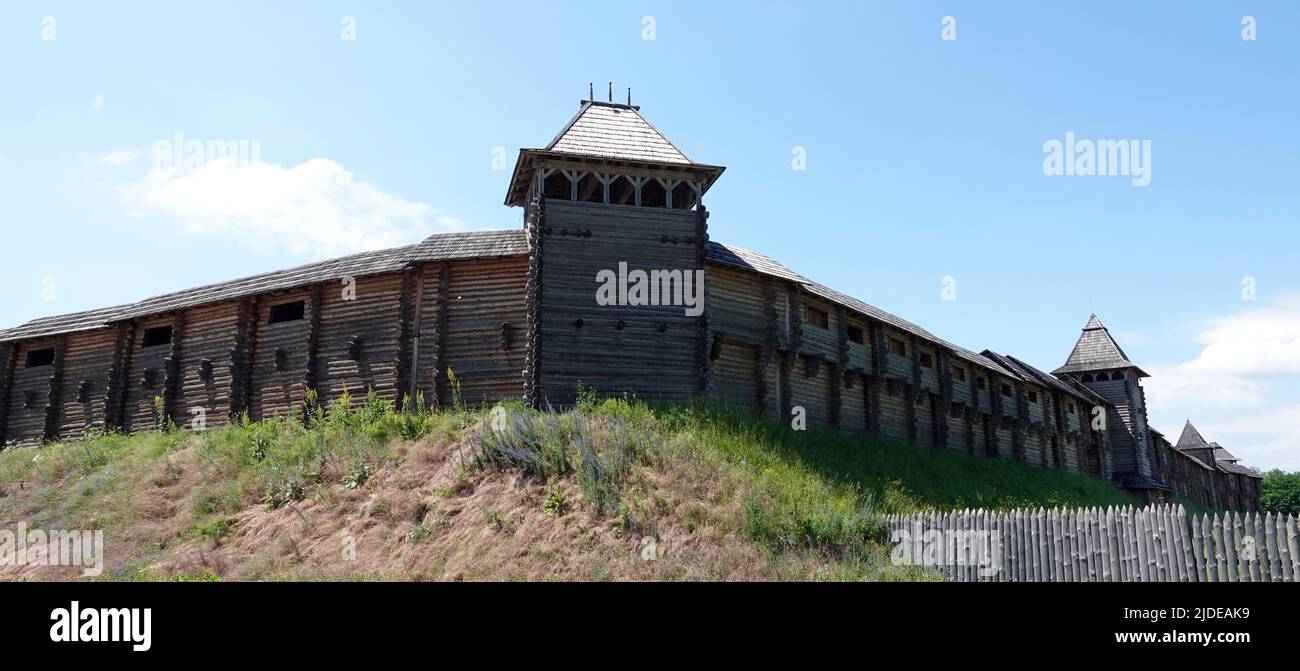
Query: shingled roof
[(609, 130), (1048, 380), (1224, 460), (614, 136), (475, 244), (443, 246), (746, 259), (70, 323), (1190, 438), (1096, 350)]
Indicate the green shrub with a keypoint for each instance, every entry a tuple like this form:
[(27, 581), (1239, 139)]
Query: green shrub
[(1280, 492)]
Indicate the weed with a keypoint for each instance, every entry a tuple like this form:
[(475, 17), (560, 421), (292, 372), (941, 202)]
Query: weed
[(556, 503)]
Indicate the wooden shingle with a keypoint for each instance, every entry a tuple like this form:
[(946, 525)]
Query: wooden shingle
[(607, 130)]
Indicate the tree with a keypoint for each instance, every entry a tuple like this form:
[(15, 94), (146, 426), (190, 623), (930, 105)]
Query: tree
[(1281, 492)]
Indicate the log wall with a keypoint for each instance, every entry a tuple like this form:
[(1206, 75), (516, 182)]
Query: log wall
[(357, 345), (647, 349), (485, 325), (87, 364), (145, 377), (279, 358), (208, 342), (28, 391)]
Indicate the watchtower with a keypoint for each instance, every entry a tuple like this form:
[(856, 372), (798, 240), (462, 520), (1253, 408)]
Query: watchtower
[(1098, 363), (617, 236)]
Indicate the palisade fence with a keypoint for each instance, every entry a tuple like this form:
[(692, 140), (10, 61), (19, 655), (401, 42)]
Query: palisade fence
[(1158, 543)]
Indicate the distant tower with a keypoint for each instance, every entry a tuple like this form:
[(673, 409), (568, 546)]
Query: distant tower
[(1098, 363), (1192, 443), (611, 194)]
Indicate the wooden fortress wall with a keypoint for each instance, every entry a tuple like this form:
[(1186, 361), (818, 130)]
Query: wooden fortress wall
[(487, 329), (473, 325), (228, 357), (1196, 481), (774, 356)]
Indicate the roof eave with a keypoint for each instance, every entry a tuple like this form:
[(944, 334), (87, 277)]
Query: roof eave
[(519, 179), (1080, 368)]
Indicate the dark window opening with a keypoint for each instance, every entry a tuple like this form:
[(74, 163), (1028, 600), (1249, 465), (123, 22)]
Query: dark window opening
[(1033, 397), (591, 189), (40, 357), (1101, 377), (158, 335), (981, 383), (857, 335), (897, 347), (1069, 408), (653, 194), (1086, 378), (622, 191), (1006, 390), (927, 360), (817, 318), (287, 312), (959, 373), (557, 186), (683, 196)]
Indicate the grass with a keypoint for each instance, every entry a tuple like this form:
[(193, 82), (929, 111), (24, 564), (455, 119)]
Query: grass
[(91, 482), (799, 490), (810, 503)]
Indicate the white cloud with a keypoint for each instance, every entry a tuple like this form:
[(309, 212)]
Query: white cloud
[(120, 156), (1243, 388), (98, 104), (314, 208), (1263, 341), (1265, 439)]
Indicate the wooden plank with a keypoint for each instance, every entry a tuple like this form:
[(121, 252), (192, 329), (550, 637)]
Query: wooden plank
[(1227, 542), (1285, 558), (1293, 545), (1255, 558), (1203, 549), (1190, 569), (1238, 547), (1145, 561), (1271, 567)]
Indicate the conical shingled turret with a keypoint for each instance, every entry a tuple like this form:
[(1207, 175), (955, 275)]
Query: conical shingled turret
[(1190, 438), (1097, 350)]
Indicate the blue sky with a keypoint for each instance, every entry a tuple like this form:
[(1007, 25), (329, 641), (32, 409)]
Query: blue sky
[(924, 158)]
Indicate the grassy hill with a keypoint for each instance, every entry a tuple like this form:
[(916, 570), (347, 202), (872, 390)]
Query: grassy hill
[(614, 489)]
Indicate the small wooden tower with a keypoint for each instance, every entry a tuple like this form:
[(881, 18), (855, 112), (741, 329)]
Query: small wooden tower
[(1098, 363), (611, 196)]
